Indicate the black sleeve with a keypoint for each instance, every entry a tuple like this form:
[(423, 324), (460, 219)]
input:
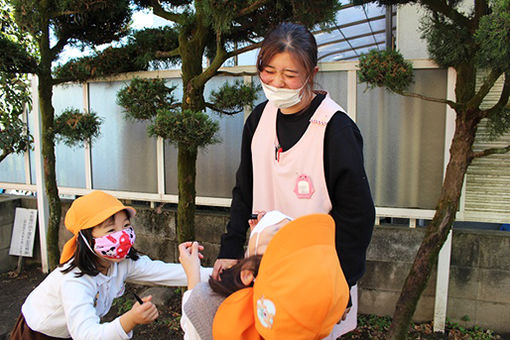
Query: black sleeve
[(352, 206), (232, 242)]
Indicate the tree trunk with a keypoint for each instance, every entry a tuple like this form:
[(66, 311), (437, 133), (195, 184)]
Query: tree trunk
[(186, 173), (437, 230), (50, 180), (192, 99), (45, 90)]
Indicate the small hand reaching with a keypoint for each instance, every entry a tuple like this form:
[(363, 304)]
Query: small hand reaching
[(189, 257)]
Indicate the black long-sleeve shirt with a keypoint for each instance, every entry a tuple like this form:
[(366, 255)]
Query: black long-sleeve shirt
[(349, 192)]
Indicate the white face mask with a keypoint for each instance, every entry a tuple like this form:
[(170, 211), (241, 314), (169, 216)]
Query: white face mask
[(271, 218), (282, 98)]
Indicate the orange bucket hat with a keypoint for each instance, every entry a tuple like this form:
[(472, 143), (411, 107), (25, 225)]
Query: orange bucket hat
[(300, 291), (87, 212)]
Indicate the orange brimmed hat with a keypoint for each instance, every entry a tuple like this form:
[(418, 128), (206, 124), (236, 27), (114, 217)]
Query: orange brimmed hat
[(300, 291), (88, 211)]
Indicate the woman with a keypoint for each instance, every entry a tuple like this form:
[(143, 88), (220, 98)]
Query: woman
[(300, 154)]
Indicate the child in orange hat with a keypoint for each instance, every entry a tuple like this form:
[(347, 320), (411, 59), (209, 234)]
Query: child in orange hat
[(296, 290), (94, 266)]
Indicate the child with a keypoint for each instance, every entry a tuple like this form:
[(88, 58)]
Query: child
[(201, 300), (95, 264), (296, 290)]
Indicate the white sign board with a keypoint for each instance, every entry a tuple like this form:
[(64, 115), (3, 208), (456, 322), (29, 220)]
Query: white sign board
[(23, 233)]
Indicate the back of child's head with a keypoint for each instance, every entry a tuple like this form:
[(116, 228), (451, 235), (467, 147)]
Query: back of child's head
[(85, 213), (230, 279)]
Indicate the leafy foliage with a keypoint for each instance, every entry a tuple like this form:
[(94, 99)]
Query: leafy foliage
[(139, 53), (142, 98), (385, 68), (17, 51), (14, 136), (14, 57), (189, 129), (498, 123), (89, 22), (231, 99), (493, 37), (448, 43), (73, 127), (151, 100)]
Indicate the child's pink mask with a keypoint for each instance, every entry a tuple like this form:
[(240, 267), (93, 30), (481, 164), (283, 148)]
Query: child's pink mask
[(115, 245)]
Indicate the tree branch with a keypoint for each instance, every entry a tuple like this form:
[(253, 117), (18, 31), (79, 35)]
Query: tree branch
[(160, 12), (503, 98), (244, 49), (59, 46), (251, 8), (219, 58), (481, 9), (214, 108), (235, 74), (57, 81), (167, 54), (72, 12), (488, 152), (3, 155), (442, 7), (450, 103), (484, 89)]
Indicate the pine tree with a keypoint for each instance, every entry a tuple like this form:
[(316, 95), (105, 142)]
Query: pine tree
[(85, 22), (215, 30), (476, 42)]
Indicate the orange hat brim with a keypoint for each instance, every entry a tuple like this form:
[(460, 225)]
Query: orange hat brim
[(234, 318)]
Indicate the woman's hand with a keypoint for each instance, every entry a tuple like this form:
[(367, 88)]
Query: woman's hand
[(139, 314), (220, 265), (189, 257), (253, 222)]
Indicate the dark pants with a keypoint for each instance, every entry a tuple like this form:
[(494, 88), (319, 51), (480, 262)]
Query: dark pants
[(21, 331)]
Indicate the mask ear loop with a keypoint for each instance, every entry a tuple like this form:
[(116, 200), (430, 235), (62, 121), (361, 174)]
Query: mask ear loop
[(257, 243), (87, 243)]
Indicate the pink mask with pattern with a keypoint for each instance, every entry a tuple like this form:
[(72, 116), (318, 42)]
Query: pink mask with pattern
[(116, 245)]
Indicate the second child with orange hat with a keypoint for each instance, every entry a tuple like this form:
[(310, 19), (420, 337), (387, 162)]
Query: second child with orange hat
[(296, 290), (94, 266)]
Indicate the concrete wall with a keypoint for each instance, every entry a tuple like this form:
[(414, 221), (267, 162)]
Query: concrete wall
[(479, 289), (7, 211)]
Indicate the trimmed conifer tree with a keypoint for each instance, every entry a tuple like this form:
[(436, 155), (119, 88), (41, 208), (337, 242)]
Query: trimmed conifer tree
[(473, 42), (212, 30), (53, 25)]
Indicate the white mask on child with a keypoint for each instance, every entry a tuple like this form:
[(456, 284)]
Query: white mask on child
[(282, 98), (269, 219)]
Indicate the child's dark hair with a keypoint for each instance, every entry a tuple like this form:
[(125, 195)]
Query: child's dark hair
[(84, 259), (294, 39), (230, 279)]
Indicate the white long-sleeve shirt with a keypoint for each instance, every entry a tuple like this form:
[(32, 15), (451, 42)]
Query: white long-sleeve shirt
[(190, 333), (64, 305)]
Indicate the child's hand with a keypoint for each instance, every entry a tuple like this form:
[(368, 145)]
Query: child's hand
[(139, 314), (189, 257), (146, 312)]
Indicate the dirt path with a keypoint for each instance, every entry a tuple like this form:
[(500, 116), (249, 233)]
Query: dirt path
[(14, 290)]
